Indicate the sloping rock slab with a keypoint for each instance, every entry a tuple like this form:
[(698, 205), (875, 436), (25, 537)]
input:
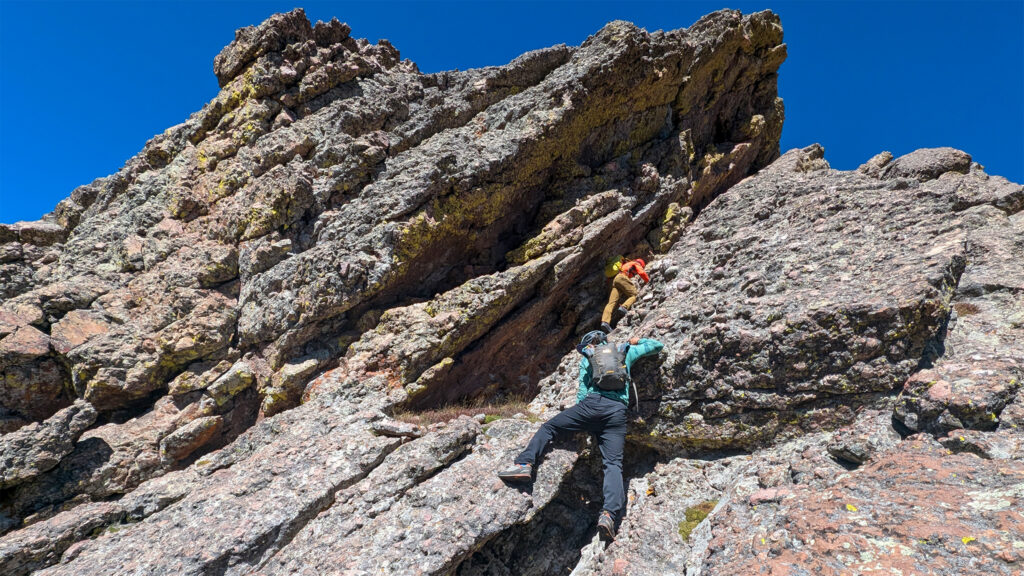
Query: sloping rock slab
[(43, 543), (285, 471), (671, 508), (436, 523)]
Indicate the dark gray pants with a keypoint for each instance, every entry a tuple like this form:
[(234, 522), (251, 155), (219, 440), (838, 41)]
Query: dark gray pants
[(606, 419)]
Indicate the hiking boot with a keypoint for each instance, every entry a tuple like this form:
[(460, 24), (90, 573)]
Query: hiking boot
[(606, 327), (517, 473), (606, 525), (622, 310)]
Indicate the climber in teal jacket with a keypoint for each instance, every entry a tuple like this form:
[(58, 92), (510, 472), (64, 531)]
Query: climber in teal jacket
[(636, 349), (601, 403)]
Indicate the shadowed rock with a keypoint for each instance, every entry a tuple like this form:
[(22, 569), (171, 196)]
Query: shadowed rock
[(36, 448)]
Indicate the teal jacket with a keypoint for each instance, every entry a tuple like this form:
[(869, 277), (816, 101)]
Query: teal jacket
[(645, 347)]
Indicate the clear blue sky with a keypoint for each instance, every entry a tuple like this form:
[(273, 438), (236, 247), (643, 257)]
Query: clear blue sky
[(83, 85)]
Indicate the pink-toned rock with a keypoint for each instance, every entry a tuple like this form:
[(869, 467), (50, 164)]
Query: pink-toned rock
[(132, 253), (41, 232), (959, 393), (185, 440), (116, 457), (1000, 445), (870, 436), (980, 365), (9, 322), (31, 382), (38, 447), (198, 376), (292, 467), (940, 391), (916, 506), (768, 495), (928, 163), (22, 312), (75, 328), (24, 344)]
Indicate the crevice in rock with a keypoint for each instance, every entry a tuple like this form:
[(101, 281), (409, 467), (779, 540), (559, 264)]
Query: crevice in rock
[(129, 410), (238, 417), (847, 464), (935, 347), (554, 540), (901, 428), (439, 266), (491, 353)]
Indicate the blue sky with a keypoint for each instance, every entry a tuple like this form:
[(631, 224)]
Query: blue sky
[(83, 85)]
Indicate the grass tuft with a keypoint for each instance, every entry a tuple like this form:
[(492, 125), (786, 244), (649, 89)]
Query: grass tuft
[(966, 308), (491, 410)]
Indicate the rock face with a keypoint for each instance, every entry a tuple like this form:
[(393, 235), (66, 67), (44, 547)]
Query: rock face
[(306, 217), (207, 356)]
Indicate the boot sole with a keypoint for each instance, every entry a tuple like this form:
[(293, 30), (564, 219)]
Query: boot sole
[(516, 477), (605, 533)]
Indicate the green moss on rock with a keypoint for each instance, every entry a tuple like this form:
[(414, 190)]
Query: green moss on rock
[(694, 516)]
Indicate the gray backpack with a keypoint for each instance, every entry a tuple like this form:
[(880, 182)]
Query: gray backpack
[(608, 367)]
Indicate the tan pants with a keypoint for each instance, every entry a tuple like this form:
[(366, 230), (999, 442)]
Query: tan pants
[(622, 287)]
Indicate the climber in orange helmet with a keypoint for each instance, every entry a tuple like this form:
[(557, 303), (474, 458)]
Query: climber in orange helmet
[(622, 287)]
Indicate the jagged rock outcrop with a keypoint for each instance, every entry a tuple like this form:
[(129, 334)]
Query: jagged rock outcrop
[(221, 339), (330, 186)]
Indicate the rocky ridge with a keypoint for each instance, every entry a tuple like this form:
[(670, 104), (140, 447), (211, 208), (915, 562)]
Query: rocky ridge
[(336, 238)]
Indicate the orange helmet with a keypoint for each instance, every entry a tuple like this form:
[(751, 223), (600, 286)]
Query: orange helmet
[(641, 262)]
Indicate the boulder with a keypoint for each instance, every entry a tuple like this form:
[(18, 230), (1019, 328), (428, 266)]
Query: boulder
[(40, 232), (928, 164), (33, 383)]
